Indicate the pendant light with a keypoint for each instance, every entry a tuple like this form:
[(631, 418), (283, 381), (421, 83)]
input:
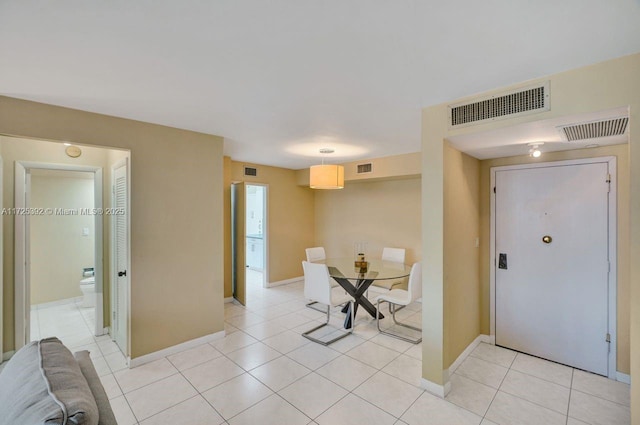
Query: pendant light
[(326, 176)]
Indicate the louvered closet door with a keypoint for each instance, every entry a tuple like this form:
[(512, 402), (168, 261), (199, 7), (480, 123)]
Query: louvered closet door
[(121, 295)]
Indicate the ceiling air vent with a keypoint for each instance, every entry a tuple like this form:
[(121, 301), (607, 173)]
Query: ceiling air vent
[(595, 129), (365, 168), (250, 171), (523, 101)]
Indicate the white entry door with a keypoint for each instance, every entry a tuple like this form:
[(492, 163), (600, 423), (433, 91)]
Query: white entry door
[(120, 309), (552, 263)]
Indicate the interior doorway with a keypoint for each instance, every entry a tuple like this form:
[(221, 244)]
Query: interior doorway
[(554, 283), (52, 227), (249, 238)]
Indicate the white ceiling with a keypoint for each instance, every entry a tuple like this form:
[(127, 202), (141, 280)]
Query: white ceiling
[(280, 79)]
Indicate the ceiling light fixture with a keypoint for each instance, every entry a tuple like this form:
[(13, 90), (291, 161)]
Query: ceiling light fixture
[(534, 149), (326, 176)]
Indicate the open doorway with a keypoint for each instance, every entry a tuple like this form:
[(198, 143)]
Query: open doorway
[(249, 238), (58, 239), (255, 237), (61, 247)]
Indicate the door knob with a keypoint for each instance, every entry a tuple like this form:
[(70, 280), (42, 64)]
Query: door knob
[(121, 274), (547, 239)]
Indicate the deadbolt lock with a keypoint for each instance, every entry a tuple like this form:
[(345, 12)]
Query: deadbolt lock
[(546, 239)]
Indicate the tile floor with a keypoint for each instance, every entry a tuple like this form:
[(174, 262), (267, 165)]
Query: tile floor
[(264, 372)]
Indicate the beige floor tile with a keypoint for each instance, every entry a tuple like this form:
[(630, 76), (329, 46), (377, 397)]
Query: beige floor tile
[(279, 373), (271, 411), (494, 354), (132, 379), (236, 395), (510, 410), (313, 355), (602, 387), (122, 411), (597, 411), (286, 342), (406, 368), (373, 354), (110, 386), (161, 395), (352, 410), (313, 394), (470, 394), (195, 411), (194, 356), (233, 342), (212, 373), (432, 410), (536, 390), (481, 371), (253, 356), (346, 372), (388, 393), (543, 369)]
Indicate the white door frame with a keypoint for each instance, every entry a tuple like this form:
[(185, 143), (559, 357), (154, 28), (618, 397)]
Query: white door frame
[(113, 263), (612, 242), (22, 307)]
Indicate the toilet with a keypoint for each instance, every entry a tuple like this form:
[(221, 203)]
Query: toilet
[(88, 288)]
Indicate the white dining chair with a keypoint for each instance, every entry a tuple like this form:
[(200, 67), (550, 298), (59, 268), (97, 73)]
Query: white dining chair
[(394, 255), (317, 287), (315, 254), (400, 298)]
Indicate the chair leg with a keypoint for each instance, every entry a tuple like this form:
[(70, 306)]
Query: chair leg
[(331, 341), (392, 309)]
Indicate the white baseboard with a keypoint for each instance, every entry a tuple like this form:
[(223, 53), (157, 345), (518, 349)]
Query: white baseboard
[(623, 377), (147, 358), (468, 350), (228, 300), (285, 282), (435, 389), (6, 356)]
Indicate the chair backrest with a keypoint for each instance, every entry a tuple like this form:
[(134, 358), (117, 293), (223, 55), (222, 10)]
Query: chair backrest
[(315, 254), (415, 282), (316, 282), (393, 254)]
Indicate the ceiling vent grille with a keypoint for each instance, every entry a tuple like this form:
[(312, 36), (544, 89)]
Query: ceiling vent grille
[(251, 171), (523, 101), (595, 129), (365, 168)]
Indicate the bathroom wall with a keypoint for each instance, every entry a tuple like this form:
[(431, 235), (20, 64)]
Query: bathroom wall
[(59, 248)]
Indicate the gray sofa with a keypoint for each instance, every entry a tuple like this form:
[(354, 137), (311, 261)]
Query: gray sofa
[(44, 383)]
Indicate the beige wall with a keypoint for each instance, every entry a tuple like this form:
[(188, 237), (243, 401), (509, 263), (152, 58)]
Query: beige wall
[(461, 256), (176, 219), (603, 86), (380, 213), (621, 152), (290, 219), (59, 250)]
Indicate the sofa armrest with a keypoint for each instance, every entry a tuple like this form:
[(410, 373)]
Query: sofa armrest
[(105, 414)]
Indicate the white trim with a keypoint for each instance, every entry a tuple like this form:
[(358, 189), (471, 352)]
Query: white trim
[(156, 355), (285, 282), (462, 357), (612, 242), (623, 377), (228, 300), (435, 389), (21, 237)]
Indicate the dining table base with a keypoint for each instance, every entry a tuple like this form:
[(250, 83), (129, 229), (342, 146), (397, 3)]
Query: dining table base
[(357, 291)]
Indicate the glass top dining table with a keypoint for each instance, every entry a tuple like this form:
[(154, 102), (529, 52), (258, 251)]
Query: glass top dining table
[(356, 280)]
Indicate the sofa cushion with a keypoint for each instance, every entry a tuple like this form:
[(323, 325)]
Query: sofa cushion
[(106, 416), (43, 384)]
